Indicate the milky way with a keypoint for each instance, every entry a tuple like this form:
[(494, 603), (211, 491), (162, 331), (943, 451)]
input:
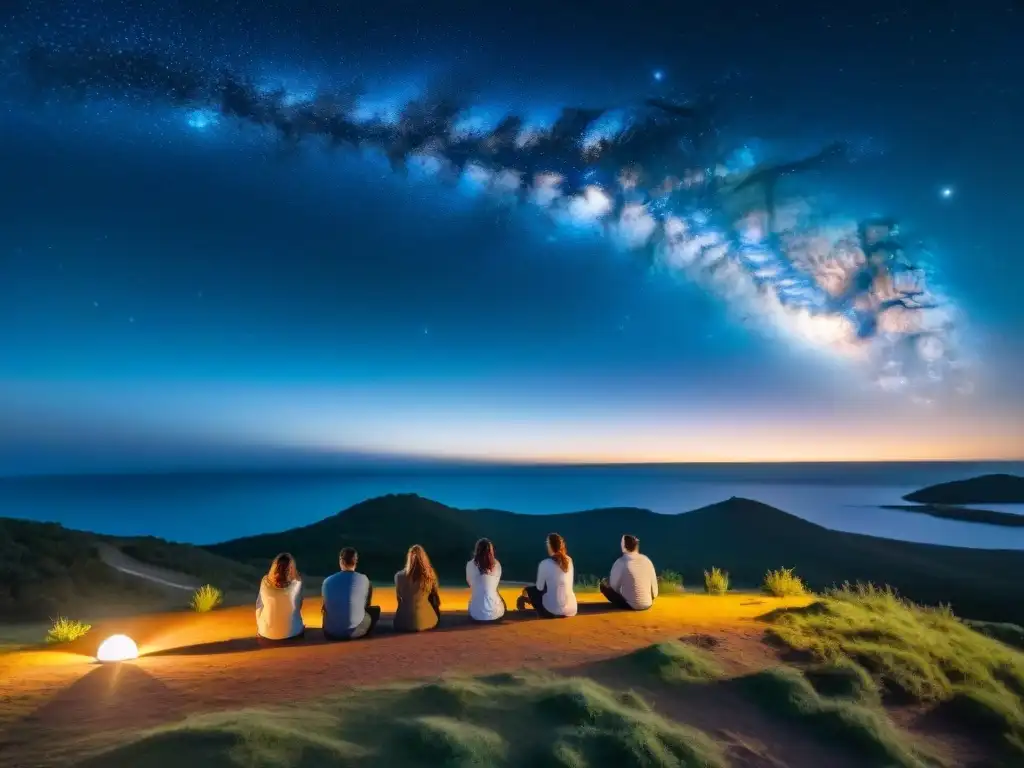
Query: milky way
[(650, 177)]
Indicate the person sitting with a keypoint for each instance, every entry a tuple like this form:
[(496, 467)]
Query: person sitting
[(347, 594), (552, 597), (633, 584), (419, 604), (483, 573), (279, 605)]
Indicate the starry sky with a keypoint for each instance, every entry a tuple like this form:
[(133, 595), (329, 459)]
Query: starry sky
[(181, 290)]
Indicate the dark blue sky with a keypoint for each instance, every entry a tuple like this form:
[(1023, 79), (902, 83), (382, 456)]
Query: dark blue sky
[(176, 293)]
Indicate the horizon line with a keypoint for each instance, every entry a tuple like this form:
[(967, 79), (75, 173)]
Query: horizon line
[(397, 463)]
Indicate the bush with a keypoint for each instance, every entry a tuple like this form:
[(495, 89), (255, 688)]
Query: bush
[(64, 630), (670, 581), (716, 582), (783, 583), (206, 598), (588, 581)]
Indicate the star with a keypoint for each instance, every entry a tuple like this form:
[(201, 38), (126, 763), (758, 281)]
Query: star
[(659, 75), (946, 193)]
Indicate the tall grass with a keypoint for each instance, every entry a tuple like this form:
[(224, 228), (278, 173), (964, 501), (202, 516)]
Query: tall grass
[(783, 583), (670, 581), (716, 581), (206, 598), (587, 582), (64, 630), (919, 654)]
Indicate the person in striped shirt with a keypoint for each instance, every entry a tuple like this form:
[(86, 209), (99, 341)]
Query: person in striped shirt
[(633, 584)]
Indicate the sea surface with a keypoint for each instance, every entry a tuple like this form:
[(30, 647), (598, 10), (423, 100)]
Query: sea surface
[(206, 508)]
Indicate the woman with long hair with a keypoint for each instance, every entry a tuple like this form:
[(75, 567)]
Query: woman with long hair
[(279, 605), (483, 573), (552, 597), (419, 604)]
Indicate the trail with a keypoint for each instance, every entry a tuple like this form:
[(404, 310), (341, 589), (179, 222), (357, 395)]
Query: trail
[(122, 563)]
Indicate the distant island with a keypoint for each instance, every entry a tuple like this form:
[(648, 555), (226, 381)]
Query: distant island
[(984, 489), (49, 569), (946, 500), (963, 514)]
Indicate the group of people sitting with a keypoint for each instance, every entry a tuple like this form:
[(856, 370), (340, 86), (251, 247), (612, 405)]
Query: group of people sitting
[(349, 613)]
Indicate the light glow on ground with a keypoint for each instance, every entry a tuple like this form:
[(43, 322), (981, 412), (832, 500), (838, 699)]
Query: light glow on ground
[(117, 648)]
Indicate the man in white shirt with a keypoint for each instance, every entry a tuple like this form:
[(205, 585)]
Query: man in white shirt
[(633, 584)]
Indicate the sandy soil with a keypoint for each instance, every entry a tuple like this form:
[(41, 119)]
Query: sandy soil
[(192, 663)]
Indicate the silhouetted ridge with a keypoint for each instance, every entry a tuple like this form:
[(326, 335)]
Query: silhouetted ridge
[(985, 489)]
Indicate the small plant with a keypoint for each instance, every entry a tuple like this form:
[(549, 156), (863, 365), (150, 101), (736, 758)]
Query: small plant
[(588, 581), (64, 630), (206, 598), (670, 581), (783, 583), (716, 581)]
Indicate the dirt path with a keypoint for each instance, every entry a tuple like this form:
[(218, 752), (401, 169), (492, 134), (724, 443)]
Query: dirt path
[(195, 663), (119, 561)]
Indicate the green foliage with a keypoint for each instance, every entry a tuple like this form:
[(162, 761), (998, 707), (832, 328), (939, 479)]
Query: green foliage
[(515, 720), (783, 583), (676, 662), (64, 630), (716, 582), (206, 598), (587, 582), (920, 654), (867, 730), (670, 581)]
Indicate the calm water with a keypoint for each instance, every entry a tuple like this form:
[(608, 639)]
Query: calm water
[(213, 507)]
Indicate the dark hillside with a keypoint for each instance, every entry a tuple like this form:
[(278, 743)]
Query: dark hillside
[(741, 536)]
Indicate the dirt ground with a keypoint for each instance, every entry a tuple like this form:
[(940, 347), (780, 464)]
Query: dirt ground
[(53, 700)]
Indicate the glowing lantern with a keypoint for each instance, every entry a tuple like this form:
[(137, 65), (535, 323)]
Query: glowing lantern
[(117, 648)]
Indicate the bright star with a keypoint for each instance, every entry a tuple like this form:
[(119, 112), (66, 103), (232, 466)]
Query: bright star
[(947, 192), (659, 75)]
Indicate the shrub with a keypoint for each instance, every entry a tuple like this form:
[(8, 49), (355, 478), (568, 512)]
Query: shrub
[(64, 630), (206, 598), (587, 581), (670, 581), (784, 583), (716, 582)]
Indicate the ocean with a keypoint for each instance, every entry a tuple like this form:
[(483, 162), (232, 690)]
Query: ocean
[(206, 508)]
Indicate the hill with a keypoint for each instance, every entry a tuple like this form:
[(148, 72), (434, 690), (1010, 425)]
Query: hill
[(985, 489), (741, 536), (47, 569)]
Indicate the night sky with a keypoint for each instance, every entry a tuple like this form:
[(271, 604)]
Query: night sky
[(184, 287)]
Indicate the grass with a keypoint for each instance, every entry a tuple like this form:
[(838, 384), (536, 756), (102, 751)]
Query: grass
[(865, 730), (670, 581), (587, 582), (675, 662), (914, 654), (716, 582), (783, 583), (206, 598), (517, 720), (65, 630)]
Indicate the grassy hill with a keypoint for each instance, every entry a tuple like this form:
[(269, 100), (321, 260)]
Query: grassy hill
[(985, 489), (741, 536), (47, 569)]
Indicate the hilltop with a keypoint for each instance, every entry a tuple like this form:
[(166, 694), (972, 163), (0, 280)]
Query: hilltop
[(985, 489), (47, 570), (742, 536)]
